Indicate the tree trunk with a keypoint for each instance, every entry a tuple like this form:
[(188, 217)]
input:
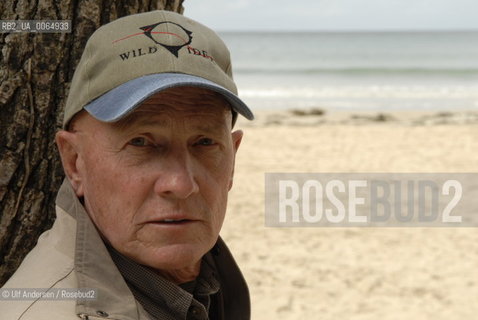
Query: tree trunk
[(35, 73)]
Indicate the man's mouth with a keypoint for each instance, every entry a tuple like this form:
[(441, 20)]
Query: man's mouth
[(174, 220), (178, 219)]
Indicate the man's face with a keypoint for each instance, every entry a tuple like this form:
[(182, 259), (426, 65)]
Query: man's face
[(156, 184)]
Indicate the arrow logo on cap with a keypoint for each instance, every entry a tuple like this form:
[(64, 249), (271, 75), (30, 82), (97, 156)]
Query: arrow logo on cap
[(167, 34)]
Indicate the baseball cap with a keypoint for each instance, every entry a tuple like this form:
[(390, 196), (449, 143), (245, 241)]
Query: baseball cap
[(134, 57)]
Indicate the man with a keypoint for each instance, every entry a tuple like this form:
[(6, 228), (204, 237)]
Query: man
[(148, 153)]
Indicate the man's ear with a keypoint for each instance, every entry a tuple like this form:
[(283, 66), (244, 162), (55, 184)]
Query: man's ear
[(236, 139), (236, 142), (68, 147)]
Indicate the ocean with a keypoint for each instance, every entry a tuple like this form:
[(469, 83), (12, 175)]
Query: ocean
[(356, 71)]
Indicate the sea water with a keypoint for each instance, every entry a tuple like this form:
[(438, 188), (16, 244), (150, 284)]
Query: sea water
[(357, 70)]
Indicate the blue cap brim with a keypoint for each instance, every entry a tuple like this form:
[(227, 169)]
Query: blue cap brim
[(120, 101)]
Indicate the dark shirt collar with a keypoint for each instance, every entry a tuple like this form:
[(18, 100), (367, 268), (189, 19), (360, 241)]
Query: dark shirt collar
[(163, 299)]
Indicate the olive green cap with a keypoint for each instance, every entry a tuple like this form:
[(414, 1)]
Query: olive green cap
[(128, 60)]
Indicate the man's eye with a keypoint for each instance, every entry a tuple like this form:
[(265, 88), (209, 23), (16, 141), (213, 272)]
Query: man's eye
[(139, 142), (205, 142)]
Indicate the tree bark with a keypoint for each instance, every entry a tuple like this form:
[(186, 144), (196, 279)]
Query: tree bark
[(35, 73)]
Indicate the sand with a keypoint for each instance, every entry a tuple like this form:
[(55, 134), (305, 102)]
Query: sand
[(353, 273)]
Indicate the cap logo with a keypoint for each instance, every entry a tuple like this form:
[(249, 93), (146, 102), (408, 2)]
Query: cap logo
[(171, 36), (181, 36)]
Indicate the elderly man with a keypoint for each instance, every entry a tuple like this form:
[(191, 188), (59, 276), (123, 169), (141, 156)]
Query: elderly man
[(148, 152)]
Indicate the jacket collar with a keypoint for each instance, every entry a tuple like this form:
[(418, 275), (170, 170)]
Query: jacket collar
[(95, 269)]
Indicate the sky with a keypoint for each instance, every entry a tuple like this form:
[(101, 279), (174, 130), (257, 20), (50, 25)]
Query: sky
[(316, 15)]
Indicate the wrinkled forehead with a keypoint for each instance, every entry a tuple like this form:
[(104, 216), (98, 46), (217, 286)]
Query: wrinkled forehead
[(186, 103)]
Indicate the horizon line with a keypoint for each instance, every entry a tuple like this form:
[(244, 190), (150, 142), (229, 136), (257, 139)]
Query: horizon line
[(343, 30)]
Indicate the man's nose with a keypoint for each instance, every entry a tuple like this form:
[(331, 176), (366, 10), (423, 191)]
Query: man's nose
[(177, 177)]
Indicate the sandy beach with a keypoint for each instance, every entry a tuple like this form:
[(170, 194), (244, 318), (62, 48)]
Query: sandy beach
[(353, 273)]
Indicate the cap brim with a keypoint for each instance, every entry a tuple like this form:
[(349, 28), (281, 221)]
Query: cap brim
[(120, 101)]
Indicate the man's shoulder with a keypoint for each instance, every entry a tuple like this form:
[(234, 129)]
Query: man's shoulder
[(27, 303), (51, 259), (49, 266)]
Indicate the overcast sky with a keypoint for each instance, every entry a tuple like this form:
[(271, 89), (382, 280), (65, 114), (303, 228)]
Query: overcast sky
[(289, 15)]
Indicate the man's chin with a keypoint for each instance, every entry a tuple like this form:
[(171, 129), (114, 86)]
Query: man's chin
[(171, 258)]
